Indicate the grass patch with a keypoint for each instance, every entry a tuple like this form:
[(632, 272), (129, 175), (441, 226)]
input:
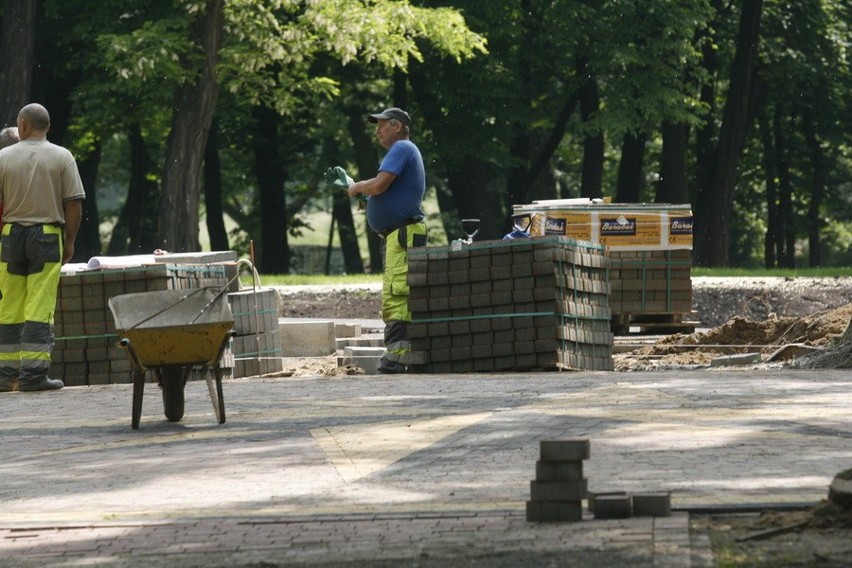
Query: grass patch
[(824, 272), (308, 279)]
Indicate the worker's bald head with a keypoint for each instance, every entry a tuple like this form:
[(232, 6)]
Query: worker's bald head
[(36, 115)]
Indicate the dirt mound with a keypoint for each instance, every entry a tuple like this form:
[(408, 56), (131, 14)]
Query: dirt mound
[(827, 330), (817, 329)]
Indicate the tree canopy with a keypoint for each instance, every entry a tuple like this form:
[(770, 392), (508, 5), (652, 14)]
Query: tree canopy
[(236, 107)]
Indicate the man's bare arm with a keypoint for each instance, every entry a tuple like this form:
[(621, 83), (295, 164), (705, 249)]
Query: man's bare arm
[(373, 186)]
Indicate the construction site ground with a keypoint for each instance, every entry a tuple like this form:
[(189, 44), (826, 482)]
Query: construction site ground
[(323, 466), (733, 316)]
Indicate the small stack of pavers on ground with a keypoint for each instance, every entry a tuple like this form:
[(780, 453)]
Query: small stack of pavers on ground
[(538, 303), (559, 487)]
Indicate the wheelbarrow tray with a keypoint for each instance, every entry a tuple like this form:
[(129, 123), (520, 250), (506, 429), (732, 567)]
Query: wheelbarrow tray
[(174, 327)]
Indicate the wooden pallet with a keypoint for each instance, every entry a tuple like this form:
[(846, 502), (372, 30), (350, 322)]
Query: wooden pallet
[(651, 324)]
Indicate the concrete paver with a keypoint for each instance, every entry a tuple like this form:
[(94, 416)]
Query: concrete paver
[(426, 470)]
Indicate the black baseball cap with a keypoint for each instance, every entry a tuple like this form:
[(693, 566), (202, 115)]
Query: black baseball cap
[(390, 113)]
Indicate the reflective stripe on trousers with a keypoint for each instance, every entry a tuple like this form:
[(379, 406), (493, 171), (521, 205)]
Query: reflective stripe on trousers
[(30, 263)]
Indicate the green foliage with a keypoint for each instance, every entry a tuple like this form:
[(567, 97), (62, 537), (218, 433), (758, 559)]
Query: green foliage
[(647, 60), (837, 243), (495, 76)]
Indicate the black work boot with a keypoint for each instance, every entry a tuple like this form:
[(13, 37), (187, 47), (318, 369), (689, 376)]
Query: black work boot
[(388, 367), (8, 384), (39, 384)]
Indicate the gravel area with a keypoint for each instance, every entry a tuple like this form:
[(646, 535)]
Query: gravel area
[(715, 300)]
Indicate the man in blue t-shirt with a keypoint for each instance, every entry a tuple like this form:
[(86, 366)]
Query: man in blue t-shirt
[(394, 211)]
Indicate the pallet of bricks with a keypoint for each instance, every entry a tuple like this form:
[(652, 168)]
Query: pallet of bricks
[(257, 346), (528, 304), (86, 350), (651, 290), (650, 252)]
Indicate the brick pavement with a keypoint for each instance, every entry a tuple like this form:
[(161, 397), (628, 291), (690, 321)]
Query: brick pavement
[(419, 470)]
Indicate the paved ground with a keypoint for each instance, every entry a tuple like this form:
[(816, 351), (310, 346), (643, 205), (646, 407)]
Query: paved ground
[(414, 470)]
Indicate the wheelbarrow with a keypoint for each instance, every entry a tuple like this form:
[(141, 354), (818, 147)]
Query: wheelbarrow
[(170, 332)]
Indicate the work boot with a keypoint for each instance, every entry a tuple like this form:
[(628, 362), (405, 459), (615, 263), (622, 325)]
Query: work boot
[(39, 384), (387, 367), (8, 384)]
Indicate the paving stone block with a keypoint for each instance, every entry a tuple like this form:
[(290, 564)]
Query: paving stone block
[(652, 504), (558, 471), (574, 490), (347, 330), (740, 359), (592, 495), (613, 507), (306, 339), (363, 351), (565, 450), (369, 363), (554, 512)]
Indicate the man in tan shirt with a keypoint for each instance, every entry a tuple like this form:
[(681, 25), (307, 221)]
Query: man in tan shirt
[(42, 196)]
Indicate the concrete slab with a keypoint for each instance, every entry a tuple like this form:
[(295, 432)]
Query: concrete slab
[(369, 363), (792, 351), (738, 360), (306, 338)]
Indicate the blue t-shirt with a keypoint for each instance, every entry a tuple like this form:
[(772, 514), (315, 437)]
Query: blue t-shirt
[(402, 200)]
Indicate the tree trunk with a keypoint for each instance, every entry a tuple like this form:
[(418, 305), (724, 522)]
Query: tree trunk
[(216, 230), (631, 177), (714, 202), (673, 186), (274, 257), (772, 243), (368, 163), (342, 212), (786, 256), (88, 242), (591, 184), (16, 58), (817, 191), (469, 185), (134, 231), (191, 119), (517, 181)]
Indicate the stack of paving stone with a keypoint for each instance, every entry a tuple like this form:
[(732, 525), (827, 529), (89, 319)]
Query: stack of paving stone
[(651, 289), (538, 303), (86, 351), (557, 492), (257, 344)]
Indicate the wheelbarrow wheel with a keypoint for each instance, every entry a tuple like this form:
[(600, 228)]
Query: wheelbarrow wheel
[(172, 381)]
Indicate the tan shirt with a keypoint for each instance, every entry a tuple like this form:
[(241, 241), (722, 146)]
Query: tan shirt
[(36, 177)]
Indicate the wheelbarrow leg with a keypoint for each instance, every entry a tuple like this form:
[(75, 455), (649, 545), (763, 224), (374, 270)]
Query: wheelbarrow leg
[(216, 393), (138, 391)]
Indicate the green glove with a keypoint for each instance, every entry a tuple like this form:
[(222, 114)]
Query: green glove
[(337, 177)]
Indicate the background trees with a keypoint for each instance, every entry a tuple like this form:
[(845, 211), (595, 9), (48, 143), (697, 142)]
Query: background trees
[(235, 107)]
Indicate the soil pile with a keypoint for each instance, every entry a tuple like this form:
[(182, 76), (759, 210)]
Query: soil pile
[(741, 335)]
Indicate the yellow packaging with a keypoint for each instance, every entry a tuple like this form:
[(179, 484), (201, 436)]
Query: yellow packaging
[(619, 226)]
